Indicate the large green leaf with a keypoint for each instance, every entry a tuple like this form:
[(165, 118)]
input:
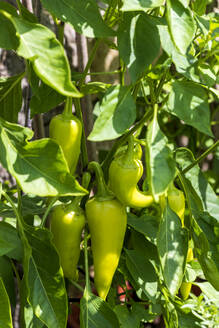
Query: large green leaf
[(140, 4), (142, 272), (39, 166), (83, 15), (44, 277), (5, 309), (96, 313), (39, 45), (189, 102), (159, 159), (138, 42), (181, 24), (172, 243), (10, 243), (117, 113), (10, 97)]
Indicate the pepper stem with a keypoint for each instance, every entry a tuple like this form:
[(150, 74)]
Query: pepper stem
[(102, 189), (67, 112), (130, 151), (77, 200)]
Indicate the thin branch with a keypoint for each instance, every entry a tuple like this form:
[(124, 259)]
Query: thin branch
[(200, 158)]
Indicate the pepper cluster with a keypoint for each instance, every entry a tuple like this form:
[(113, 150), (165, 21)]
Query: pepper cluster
[(105, 212)]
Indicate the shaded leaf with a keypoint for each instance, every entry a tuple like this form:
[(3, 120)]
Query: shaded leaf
[(198, 184), (8, 37), (10, 243), (45, 99), (10, 97), (147, 225), (7, 275), (5, 309)]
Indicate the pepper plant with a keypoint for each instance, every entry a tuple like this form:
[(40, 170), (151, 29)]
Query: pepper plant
[(161, 268)]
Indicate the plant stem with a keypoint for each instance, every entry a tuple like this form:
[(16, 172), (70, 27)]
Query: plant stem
[(105, 73), (123, 139), (87, 280), (200, 158), (90, 60), (102, 189), (84, 155), (60, 34), (47, 211), (74, 283), (12, 204)]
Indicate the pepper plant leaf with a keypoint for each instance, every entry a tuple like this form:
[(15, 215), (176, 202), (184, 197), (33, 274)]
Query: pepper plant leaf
[(138, 42), (10, 97), (83, 15), (159, 158), (39, 166), (117, 112), (172, 244), (188, 101), (5, 308)]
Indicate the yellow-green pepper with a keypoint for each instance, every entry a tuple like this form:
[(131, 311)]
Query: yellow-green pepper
[(124, 173), (107, 221)]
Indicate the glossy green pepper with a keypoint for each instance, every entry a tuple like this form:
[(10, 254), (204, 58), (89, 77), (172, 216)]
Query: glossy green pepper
[(66, 224), (66, 129), (124, 173), (137, 151), (107, 221)]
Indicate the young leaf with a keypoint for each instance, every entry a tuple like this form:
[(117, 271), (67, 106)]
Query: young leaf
[(10, 97), (137, 5), (39, 166), (181, 24), (159, 159), (96, 313), (138, 42), (44, 277), (143, 273), (172, 243), (188, 101), (83, 15), (117, 113), (5, 309)]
